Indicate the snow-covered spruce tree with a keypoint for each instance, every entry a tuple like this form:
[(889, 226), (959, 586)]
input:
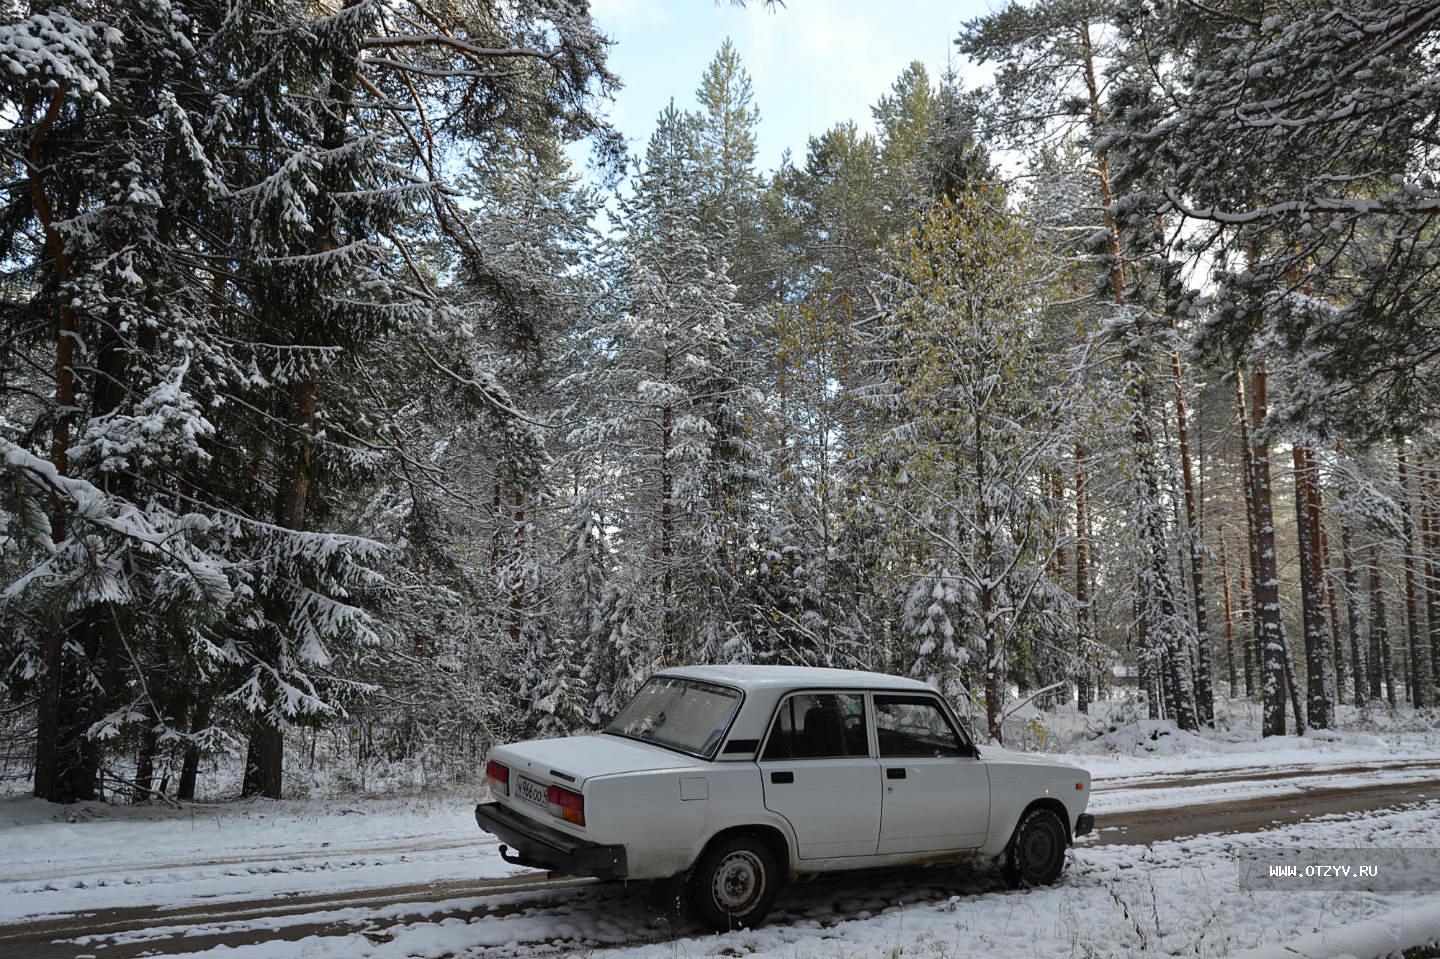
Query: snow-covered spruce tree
[(113, 565), (658, 394), (342, 180), (975, 415), (1048, 86), (284, 195)]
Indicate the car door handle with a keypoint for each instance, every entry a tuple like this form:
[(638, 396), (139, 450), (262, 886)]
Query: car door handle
[(895, 772), (782, 777)]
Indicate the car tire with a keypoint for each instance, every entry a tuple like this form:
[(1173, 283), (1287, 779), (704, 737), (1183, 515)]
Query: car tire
[(734, 884), (1036, 854)]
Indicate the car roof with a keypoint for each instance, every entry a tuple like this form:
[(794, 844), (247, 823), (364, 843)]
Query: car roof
[(798, 677)]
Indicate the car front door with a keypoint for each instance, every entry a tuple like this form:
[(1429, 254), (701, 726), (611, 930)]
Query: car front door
[(937, 793), (819, 774)]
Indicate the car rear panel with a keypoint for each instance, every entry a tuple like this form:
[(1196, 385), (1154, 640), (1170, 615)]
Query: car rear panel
[(538, 764)]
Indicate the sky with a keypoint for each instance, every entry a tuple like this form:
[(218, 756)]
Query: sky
[(814, 63)]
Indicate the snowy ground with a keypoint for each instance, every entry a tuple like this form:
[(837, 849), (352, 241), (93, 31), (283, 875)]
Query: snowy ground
[(401, 877), (92, 856)]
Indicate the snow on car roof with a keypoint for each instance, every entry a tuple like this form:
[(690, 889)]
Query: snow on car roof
[(756, 677)]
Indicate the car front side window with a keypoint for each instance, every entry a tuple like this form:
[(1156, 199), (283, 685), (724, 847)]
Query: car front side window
[(915, 727), (818, 726)]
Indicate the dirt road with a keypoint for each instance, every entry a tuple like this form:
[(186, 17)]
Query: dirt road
[(540, 907)]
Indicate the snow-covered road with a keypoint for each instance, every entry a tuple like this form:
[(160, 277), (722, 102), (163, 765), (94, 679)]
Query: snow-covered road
[(390, 878)]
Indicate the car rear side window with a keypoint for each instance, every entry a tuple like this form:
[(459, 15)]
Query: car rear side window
[(818, 726), (915, 726)]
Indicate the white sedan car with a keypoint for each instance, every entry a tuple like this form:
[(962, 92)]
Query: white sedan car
[(727, 780)]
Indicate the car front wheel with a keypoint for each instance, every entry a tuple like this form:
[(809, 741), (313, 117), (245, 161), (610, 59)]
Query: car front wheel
[(734, 883), (1036, 855)]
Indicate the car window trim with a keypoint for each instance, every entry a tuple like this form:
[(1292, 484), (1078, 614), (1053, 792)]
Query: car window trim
[(724, 735), (810, 691), (944, 707)]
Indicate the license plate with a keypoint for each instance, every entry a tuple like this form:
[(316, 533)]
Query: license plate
[(530, 791)]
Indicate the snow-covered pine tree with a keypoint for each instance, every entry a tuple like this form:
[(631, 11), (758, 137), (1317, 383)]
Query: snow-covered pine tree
[(974, 415), (725, 153), (1048, 86), (1311, 125)]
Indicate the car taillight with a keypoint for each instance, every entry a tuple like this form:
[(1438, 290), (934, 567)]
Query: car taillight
[(498, 776), (566, 804)]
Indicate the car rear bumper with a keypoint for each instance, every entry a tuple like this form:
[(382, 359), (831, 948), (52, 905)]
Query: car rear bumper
[(1084, 824), (541, 847)]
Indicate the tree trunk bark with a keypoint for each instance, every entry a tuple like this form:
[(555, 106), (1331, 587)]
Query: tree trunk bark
[(145, 763), (1166, 631), (1083, 614), (1317, 643), (66, 761), (1379, 634), (1358, 660), (265, 756), (1429, 490), (1417, 677), (1337, 649), (1247, 641), (1265, 583), (190, 765), (1230, 666), (1204, 688), (264, 761)]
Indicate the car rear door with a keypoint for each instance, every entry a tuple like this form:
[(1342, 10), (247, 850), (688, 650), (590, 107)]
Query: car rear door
[(936, 792), (818, 772)]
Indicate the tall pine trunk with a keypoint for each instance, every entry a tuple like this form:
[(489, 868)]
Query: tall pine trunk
[(1167, 634), (1379, 634), (1229, 609), (1084, 616), (1247, 617), (1417, 676), (1359, 662), (1429, 491), (1204, 683), (1317, 640), (1264, 579), (1327, 579)]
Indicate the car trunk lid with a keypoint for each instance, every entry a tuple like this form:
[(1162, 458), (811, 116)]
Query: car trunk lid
[(570, 761)]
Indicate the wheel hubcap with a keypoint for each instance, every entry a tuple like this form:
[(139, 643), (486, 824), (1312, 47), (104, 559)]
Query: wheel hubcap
[(739, 882), (1039, 850)]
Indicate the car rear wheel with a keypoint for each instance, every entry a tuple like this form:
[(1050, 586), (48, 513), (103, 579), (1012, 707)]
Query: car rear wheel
[(1036, 855), (734, 884)]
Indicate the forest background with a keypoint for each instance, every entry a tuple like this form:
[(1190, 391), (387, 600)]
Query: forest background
[(337, 406)]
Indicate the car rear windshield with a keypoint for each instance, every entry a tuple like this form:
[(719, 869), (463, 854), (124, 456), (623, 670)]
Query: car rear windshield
[(684, 714)]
